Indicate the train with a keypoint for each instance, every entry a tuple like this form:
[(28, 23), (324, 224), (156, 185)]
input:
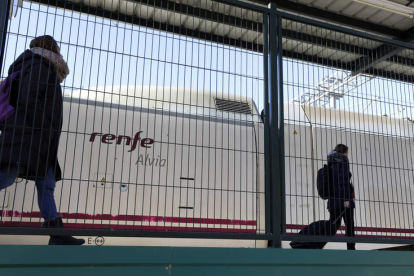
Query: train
[(168, 159)]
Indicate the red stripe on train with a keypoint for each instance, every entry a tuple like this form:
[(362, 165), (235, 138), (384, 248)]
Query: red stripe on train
[(88, 226), (161, 219), (370, 236), (361, 229), (8, 213)]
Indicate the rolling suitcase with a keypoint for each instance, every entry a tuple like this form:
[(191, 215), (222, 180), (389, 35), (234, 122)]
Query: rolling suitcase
[(317, 228)]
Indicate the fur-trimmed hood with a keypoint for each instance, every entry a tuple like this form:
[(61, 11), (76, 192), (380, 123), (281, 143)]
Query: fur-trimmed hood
[(336, 157)]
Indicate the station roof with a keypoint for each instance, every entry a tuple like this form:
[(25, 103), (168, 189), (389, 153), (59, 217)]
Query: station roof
[(351, 13), (235, 26)]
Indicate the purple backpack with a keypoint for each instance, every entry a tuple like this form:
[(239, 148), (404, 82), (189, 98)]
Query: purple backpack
[(5, 108)]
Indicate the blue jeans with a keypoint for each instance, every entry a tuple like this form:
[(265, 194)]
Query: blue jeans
[(45, 189)]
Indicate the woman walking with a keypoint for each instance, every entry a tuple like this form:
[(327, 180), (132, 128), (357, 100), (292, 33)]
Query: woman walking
[(342, 204), (30, 136)]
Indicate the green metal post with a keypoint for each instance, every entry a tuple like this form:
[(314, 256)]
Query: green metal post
[(273, 91), (281, 124), (267, 146)]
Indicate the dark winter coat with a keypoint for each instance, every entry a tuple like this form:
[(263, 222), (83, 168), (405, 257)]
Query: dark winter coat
[(343, 191), (30, 137)]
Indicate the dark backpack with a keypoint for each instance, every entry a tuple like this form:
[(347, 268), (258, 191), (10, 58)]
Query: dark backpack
[(5, 108), (324, 182)]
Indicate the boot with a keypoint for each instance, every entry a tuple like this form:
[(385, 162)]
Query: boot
[(61, 240)]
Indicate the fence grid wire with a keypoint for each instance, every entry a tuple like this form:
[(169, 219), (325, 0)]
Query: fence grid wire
[(203, 119)]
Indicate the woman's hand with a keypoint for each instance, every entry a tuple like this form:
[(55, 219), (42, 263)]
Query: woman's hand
[(347, 204)]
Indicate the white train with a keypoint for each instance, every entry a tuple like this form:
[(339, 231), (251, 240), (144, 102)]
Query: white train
[(167, 159)]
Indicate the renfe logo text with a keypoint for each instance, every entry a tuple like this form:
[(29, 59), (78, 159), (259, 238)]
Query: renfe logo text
[(110, 139)]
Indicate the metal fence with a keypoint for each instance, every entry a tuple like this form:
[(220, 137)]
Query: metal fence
[(342, 87), (161, 132), (208, 119)]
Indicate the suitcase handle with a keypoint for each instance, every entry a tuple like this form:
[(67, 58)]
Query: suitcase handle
[(339, 217)]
